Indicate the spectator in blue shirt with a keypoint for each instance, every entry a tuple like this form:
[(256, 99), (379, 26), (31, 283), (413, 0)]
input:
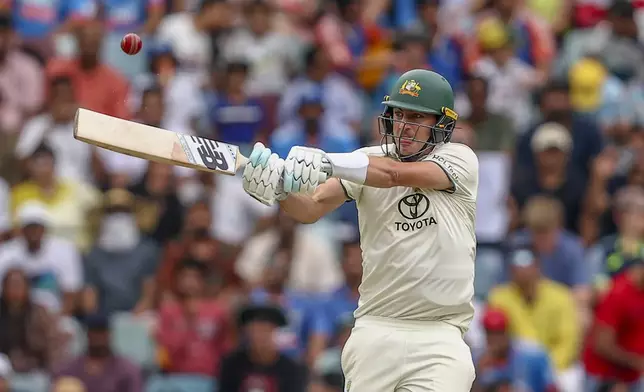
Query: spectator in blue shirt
[(234, 116), (561, 252), (38, 20), (129, 16), (307, 330), (556, 106), (337, 94), (315, 127), (344, 301), (523, 365)]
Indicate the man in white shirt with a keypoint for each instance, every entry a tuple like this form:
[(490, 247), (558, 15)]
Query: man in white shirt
[(416, 200), (53, 264)]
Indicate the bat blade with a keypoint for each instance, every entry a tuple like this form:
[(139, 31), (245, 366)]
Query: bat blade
[(156, 144)]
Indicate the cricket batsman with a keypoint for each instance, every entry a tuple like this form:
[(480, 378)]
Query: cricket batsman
[(416, 200)]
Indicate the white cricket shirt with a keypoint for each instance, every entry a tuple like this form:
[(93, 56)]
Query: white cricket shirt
[(418, 245)]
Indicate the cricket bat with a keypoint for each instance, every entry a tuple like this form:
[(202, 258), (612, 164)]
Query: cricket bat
[(159, 145), (156, 144)]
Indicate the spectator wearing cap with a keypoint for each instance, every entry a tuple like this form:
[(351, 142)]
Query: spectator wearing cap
[(561, 253), (614, 350), (52, 263), (314, 266), (194, 331), (22, 80), (511, 81), (120, 268), (234, 116), (614, 253), (524, 365), (594, 91), (553, 175), (315, 126), (337, 96), (258, 364), (68, 202), (535, 44), (98, 86), (29, 334), (539, 309), (555, 106), (99, 369)]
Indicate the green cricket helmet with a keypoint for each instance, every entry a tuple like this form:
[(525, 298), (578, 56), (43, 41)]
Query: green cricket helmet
[(423, 91)]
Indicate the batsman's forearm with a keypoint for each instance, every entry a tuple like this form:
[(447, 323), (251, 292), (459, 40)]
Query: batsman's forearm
[(310, 208), (300, 207)]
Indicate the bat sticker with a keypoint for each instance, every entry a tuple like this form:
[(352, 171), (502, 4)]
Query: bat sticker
[(209, 153)]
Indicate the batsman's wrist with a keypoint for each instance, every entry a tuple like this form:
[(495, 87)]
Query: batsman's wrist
[(349, 166)]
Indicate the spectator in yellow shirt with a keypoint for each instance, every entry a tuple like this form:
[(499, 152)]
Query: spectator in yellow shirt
[(68, 202), (539, 309)]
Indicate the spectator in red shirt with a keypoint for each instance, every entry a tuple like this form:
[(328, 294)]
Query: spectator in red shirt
[(193, 331), (614, 351), (97, 86)]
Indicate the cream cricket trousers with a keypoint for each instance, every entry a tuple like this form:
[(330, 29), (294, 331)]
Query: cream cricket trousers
[(387, 355)]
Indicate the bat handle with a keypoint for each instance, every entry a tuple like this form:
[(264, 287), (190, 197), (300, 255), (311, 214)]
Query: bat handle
[(241, 162)]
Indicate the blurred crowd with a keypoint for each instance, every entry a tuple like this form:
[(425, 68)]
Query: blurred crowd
[(121, 275)]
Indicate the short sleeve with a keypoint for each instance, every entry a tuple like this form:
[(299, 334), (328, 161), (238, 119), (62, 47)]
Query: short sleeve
[(461, 165)]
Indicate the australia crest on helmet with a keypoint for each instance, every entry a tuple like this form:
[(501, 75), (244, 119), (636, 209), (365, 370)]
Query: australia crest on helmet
[(410, 87)]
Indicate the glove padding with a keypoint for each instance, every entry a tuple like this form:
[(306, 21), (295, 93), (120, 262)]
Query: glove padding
[(262, 176), (303, 169)]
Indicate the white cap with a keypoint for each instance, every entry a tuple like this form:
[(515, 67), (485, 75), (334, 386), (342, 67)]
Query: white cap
[(551, 135), (33, 213)]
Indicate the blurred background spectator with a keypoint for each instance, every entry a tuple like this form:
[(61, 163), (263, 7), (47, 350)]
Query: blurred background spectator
[(121, 274)]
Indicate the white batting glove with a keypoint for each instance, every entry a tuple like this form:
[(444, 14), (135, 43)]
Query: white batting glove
[(262, 176), (303, 169)]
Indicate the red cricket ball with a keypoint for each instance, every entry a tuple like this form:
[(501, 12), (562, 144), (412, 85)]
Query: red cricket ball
[(131, 44)]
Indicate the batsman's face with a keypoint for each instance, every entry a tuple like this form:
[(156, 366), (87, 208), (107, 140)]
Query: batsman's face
[(412, 130)]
